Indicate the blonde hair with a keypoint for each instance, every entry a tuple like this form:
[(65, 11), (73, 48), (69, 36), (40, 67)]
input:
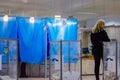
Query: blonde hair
[(97, 27)]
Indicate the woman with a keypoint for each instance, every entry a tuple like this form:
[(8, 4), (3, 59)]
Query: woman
[(98, 36)]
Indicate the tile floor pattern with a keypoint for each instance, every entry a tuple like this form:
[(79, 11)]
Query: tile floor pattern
[(83, 78), (87, 68)]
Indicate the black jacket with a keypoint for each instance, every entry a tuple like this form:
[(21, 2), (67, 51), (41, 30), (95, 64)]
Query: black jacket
[(97, 40)]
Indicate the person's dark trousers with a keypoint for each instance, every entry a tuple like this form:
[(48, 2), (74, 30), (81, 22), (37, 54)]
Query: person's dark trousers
[(23, 70), (97, 58)]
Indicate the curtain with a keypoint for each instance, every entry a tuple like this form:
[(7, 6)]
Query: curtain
[(32, 40), (64, 29)]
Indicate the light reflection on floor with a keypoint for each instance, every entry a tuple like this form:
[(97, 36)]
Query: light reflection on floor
[(83, 78), (87, 68)]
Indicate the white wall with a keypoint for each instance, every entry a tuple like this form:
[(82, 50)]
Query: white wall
[(110, 20)]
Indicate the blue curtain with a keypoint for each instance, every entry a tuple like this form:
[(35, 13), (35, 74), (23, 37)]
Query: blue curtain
[(32, 39), (65, 29), (7, 30), (32, 36), (71, 31)]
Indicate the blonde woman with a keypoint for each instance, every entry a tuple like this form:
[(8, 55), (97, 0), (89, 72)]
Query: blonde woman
[(98, 36)]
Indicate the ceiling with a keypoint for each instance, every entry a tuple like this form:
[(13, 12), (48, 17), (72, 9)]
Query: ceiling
[(80, 9)]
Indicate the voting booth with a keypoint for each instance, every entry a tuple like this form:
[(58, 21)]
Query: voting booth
[(65, 63), (8, 59)]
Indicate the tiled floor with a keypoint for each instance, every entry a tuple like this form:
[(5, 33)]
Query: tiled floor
[(90, 78), (83, 78), (87, 68)]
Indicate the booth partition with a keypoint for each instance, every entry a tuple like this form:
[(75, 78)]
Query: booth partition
[(9, 59), (118, 59), (110, 61), (65, 61)]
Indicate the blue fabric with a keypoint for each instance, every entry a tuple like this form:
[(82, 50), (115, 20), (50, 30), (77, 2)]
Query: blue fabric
[(32, 36), (7, 30), (65, 29), (48, 43), (71, 31), (32, 40)]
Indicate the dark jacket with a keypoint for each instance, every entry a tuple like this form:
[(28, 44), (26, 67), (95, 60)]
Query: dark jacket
[(97, 40)]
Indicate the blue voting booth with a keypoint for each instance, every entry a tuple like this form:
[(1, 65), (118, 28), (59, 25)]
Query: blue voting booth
[(34, 37), (32, 40)]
